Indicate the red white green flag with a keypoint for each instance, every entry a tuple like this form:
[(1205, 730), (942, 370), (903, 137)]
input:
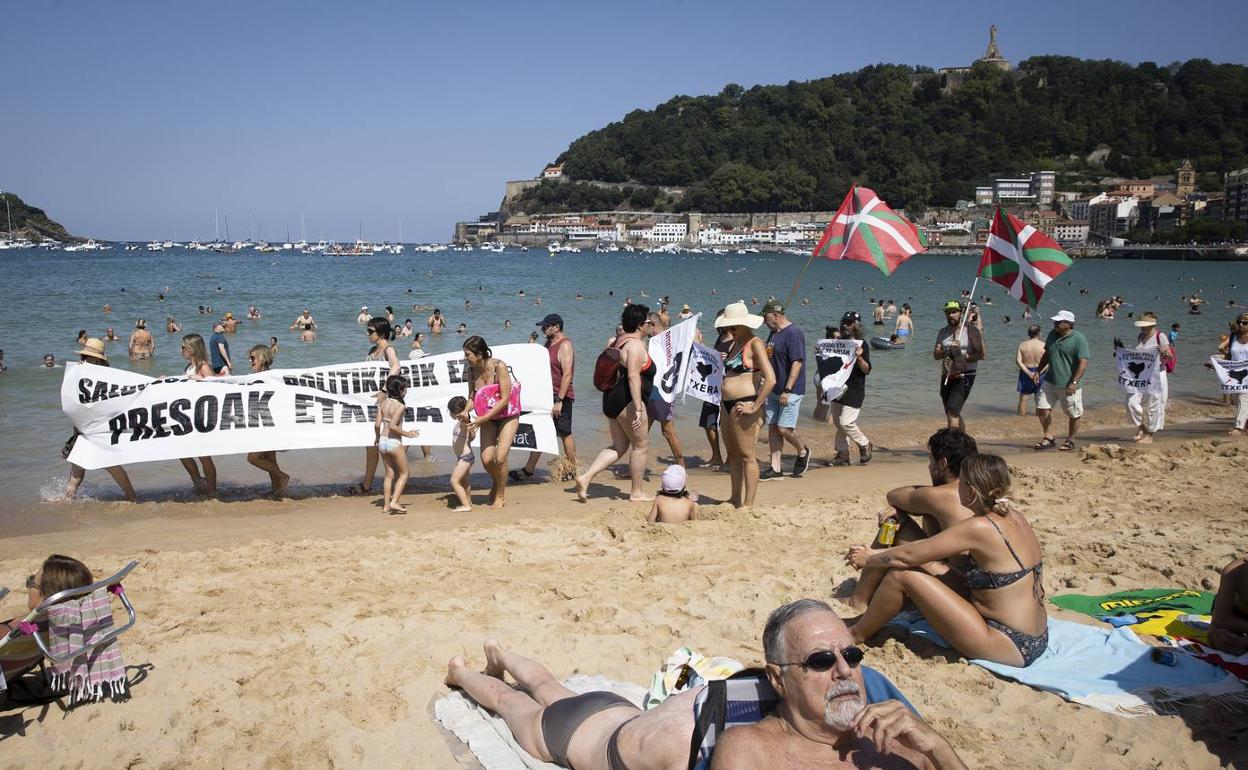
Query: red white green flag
[(867, 230), (1021, 258)]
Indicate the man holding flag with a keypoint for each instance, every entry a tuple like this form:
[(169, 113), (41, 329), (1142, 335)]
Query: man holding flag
[(959, 348)]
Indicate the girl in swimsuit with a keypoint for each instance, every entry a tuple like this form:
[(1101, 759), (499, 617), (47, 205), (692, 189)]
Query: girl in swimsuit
[(497, 430), (195, 352), (748, 378), (998, 614), (461, 445), (378, 331), (261, 358), (624, 405), (390, 437)]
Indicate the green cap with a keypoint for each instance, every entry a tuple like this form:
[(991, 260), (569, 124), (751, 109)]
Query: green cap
[(772, 306), (952, 304)]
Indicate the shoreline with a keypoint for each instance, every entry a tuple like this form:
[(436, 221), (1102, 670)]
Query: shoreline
[(317, 633)]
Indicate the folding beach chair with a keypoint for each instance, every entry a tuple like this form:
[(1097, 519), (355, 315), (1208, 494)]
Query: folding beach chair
[(746, 697), (28, 646)]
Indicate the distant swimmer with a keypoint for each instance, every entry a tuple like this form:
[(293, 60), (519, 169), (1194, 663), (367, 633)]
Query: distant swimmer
[(436, 322)]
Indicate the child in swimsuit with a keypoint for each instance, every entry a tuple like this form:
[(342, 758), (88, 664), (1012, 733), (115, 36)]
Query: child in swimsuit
[(461, 444), (674, 503), (390, 437)]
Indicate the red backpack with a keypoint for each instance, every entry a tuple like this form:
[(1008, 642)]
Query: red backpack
[(1173, 360), (607, 369)]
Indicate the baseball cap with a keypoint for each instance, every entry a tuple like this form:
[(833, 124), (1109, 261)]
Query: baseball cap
[(952, 304), (552, 319), (772, 306), (851, 316), (1064, 315), (674, 478)]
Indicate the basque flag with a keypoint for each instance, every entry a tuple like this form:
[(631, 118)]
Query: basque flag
[(1021, 258), (867, 230)]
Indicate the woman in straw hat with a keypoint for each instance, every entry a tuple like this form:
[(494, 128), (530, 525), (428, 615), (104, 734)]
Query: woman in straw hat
[(92, 352), (748, 378), (1147, 411)]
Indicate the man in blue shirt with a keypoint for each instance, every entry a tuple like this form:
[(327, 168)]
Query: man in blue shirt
[(219, 350), (786, 346)]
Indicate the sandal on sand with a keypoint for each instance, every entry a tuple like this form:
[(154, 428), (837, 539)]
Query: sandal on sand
[(1045, 443), (1066, 446)]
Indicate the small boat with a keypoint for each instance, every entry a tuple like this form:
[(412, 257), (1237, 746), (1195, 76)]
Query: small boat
[(884, 343)]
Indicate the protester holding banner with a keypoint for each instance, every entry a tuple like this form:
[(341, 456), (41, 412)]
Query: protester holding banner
[(198, 367), (658, 407), (496, 400), (748, 380), (708, 420), (92, 352), (1235, 349), (378, 331), (847, 406), (261, 359), (1146, 407), (562, 369), (625, 389)]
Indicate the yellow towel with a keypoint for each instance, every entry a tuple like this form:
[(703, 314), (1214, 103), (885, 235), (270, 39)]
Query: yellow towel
[(1168, 623)]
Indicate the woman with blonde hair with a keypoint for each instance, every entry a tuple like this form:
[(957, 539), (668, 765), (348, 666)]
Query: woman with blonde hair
[(748, 378), (261, 358), (198, 367), (998, 614)]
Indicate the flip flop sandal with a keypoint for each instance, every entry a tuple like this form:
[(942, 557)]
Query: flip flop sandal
[(1066, 446), (1046, 443)]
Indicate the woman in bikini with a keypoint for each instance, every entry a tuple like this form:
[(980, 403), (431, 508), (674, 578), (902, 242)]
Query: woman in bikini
[(998, 612), (498, 417), (624, 406), (378, 331), (390, 435), (198, 367), (748, 378)]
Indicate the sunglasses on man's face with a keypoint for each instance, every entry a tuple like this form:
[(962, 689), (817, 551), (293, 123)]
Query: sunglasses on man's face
[(822, 660)]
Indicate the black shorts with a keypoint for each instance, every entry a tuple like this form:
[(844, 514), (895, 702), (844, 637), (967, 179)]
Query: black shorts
[(955, 392), (563, 423), (710, 416)]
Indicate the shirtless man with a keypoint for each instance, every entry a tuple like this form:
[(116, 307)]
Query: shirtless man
[(938, 504), (141, 345), (363, 317), (230, 323), (1027, 358), (823, 720), (304, 321), (436, 322), (592, 731)]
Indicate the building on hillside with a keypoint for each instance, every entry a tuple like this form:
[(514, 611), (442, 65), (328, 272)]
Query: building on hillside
[(1034, 188), (552, 171), (952, 77), (1137, 188), (1235, 200), (1044, 221), (668, 232), (1071, 231), (983, 196), (1162, 212), (1185, 179), (1112, 217)]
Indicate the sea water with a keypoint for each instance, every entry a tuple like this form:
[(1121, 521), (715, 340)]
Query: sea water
[(47, 296)]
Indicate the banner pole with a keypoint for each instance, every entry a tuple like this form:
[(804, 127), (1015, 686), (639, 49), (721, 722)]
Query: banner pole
[(962, 324)]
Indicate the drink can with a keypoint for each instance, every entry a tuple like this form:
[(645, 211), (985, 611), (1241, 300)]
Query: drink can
[(888, 532), (1164, 657)]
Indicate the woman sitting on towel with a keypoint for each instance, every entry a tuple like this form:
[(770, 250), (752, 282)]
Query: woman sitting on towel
[(57, 573), (997, 612)]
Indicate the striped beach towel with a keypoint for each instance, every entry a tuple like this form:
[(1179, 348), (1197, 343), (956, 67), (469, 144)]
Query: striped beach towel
[(77, 623)]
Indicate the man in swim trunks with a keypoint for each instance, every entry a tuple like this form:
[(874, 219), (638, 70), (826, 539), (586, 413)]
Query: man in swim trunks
[(1027, 359), (597, 730), (436, 322), (823, 719)]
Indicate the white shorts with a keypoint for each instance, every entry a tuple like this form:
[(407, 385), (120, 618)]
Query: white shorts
[(1049, 394)]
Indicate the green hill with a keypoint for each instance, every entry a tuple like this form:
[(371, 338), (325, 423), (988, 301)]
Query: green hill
[(799, 146), (29, 222)]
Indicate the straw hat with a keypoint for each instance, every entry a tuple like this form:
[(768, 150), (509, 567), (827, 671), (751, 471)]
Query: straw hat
[(1146, 319), (93, 348), (737, 314)]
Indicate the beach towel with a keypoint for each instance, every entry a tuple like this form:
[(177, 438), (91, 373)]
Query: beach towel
[(73, 624), (1135, 602), (1169, 623), (1237, 665), (490, 740), (1109, 670)]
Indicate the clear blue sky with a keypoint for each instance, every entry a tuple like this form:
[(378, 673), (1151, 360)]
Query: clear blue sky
[(130, 120)]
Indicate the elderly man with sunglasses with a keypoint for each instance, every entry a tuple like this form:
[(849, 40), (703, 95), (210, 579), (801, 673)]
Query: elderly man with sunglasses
[(823, 719)]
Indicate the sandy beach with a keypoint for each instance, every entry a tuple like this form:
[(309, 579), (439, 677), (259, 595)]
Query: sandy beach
[(315, 632)]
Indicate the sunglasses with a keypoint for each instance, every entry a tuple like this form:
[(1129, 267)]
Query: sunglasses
[(822, 660), (251, 359)]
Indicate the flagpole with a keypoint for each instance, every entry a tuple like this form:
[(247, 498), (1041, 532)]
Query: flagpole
[(798, 282)]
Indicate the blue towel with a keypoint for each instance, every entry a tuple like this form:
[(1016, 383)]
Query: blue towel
[(1108, 670)]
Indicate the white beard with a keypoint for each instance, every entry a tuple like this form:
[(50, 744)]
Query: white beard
[(839, 712)]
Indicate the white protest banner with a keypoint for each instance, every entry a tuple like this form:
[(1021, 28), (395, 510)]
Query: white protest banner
[(1137, 371), (706, 373), (834, 361), (1233, 375), (128, 418), (670, 351)]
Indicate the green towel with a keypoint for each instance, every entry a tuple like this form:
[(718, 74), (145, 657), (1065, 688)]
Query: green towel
[(1143, 600)]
